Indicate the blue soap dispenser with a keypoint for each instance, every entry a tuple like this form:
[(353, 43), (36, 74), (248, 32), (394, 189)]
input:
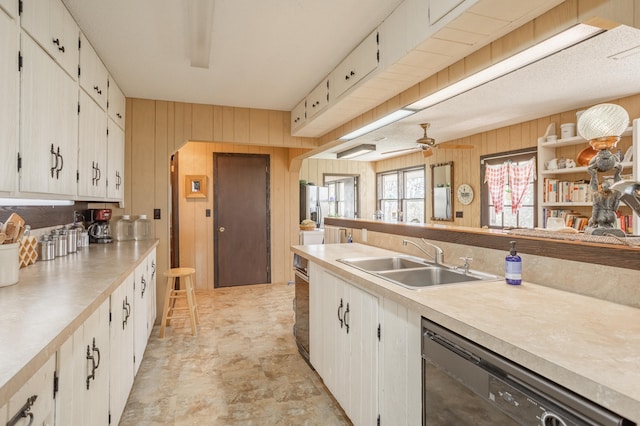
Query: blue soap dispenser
[(513, 267)]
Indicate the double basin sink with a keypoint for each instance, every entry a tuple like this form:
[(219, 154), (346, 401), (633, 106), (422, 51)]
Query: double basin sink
[(415, 273)]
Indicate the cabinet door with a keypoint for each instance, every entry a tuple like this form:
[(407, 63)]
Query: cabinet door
[(121, 347), (9, 102), (151, 289), (91, 369), (116, 103), (361, 321), (356, 66), (299, 115), (64, 38), (36, 394), (115, 162), (65, 366), (140, 312), (94, 77), (10, 7), (318, 99), (92, 149), (400, 364), (52, 26), (48, 124)]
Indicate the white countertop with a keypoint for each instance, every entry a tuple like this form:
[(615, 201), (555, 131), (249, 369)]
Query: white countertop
[(589, 346), (50, 301)]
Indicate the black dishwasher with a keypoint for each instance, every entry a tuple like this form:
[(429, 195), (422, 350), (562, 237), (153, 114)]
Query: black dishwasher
[(466, 384), (301, 305)]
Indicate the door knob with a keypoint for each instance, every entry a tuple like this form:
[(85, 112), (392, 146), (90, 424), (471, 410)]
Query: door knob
[(221, 229)]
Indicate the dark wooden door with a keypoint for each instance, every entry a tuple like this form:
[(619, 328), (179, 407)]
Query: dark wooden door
[(241, 219)]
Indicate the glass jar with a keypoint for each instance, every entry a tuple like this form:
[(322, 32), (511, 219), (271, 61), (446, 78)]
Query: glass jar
[(142, 228), (124, 229)]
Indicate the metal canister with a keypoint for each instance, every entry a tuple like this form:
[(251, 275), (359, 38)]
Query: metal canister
[(60, 242), (72, 240), (46, 249)]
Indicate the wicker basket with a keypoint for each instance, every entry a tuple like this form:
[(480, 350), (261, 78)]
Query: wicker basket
[(307, 227)]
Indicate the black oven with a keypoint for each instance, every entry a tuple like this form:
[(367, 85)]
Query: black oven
[(466, 384), (301, 305)]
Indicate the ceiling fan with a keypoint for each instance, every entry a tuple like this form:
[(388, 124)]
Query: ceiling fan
[(426, 144)]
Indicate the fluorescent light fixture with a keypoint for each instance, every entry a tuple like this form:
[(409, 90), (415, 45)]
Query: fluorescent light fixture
[(34, 202), (571, 36), (381, 122), (356, 151), (200, 32)]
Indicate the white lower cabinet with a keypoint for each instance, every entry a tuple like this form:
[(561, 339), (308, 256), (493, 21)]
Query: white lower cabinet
[(144, 306), (400, 393), (343, 329), (33, 403), (121, 348)]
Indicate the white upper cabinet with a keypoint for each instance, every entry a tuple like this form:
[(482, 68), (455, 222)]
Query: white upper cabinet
[(92, 149), (116, 103), (440, 8), (11, 7), (318, 99), (299, 115), (48, 124), (94, 77), (356, 66), (115, 162), (52, 26), (9, 102)]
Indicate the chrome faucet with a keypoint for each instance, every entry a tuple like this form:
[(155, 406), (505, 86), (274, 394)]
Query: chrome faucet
[(437, 256)]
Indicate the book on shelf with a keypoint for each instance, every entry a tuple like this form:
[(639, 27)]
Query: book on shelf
[(563, 191), (572, 219), (625, 222)]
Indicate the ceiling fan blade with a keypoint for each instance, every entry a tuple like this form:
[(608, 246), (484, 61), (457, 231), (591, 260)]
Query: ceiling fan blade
[(427, 153), (399, 150), (455, 146)]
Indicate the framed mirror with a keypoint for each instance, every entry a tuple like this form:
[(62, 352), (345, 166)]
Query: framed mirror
[(441, 192)]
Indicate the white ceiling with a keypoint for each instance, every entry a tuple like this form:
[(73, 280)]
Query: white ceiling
[(264, 54), (582, 75)]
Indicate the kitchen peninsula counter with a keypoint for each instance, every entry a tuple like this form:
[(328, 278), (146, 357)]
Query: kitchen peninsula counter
[(587, 345), (52, 299)]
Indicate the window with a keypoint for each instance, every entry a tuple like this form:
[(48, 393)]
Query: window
[(343, 195), (525, 216), (400, 195)]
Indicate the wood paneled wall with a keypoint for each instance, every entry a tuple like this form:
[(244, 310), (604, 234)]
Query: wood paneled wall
[(196, 230), (157, 129)]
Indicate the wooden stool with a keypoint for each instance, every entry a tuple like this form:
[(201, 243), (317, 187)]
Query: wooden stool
[(185, 291)]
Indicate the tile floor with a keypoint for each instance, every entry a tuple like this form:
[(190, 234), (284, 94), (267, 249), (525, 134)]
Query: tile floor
[(243, 367)]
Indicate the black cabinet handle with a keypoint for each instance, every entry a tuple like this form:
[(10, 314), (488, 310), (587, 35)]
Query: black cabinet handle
[(346, 323), (94, 365), (153, 269), (98, 173), (61, 48), (126, 307), (339, 314), (97, 89), (59, 169), (118, 115), (55, 167), (144, 286), (24, 412), (56, 41), (93, 173)]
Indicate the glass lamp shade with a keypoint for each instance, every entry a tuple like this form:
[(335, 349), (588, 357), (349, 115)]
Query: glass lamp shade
[(604, 122)]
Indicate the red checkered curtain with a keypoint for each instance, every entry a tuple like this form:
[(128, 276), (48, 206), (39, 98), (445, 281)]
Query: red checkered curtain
[(519, 177), (495, 176)]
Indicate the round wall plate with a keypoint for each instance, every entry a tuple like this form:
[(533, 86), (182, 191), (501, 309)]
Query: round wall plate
[(465, 194)]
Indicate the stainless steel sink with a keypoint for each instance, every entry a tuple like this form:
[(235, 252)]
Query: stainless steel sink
[(374, 264), (414, 273)]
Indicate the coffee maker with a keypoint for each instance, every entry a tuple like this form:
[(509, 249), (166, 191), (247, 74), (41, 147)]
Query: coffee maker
[(96, 221)]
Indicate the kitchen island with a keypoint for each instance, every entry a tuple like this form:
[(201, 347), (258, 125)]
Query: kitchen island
[(53, 299), (587, 345)]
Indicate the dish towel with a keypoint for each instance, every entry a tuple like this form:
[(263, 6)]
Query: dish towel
[(495, 176), (519, 177)]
